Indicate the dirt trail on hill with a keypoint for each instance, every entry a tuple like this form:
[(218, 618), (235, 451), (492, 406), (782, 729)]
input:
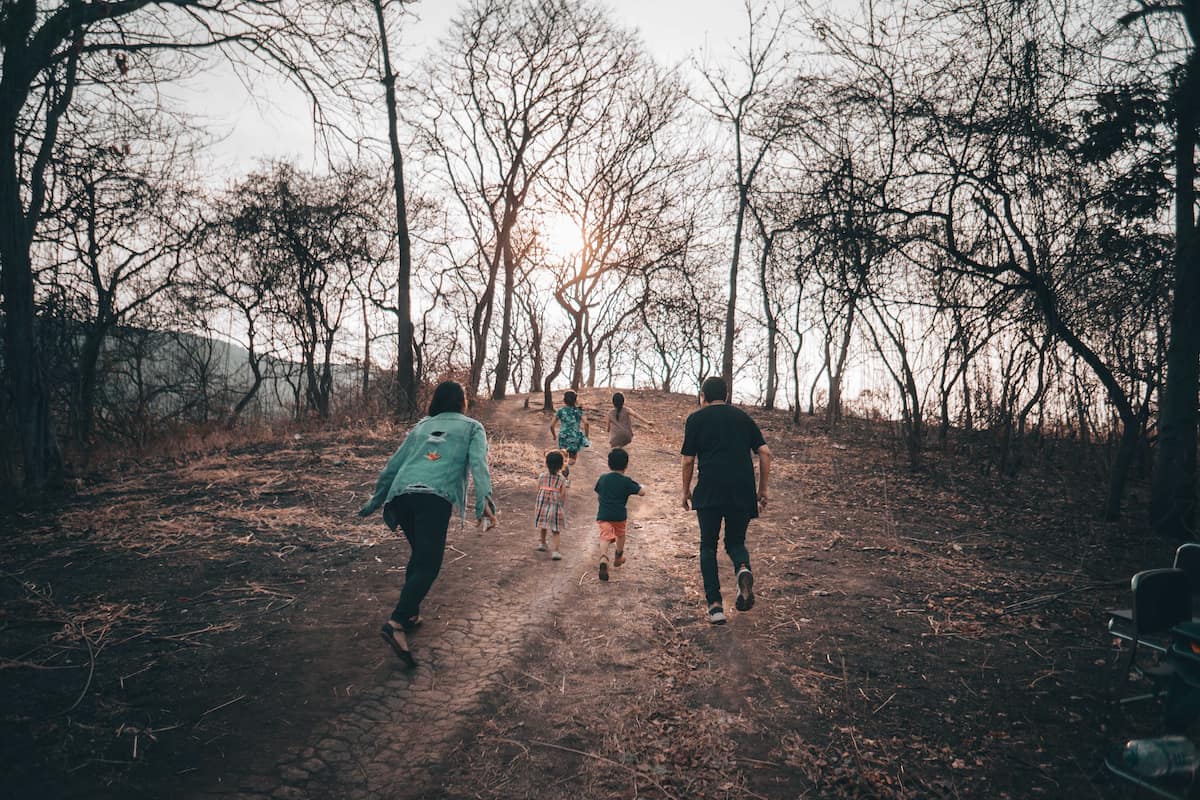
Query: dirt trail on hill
[(916, 635), (494, 595)]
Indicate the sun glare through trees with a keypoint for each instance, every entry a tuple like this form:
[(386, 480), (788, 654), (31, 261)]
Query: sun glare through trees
[(562, 237)]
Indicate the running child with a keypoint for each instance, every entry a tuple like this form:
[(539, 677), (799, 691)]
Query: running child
[(551, 508), (614, 489), (571, 427), (619, 423)]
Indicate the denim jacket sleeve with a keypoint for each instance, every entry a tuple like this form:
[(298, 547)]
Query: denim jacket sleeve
[(384, 483), (477, 458)]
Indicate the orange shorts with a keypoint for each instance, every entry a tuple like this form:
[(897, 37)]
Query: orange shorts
[(609, 531)]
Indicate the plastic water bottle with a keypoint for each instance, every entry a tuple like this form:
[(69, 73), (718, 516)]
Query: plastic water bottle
[(1163, 755)]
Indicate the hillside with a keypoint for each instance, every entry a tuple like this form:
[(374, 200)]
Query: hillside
[(208, 629)]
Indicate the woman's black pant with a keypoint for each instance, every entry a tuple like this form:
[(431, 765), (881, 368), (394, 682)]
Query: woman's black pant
[(424, 519)]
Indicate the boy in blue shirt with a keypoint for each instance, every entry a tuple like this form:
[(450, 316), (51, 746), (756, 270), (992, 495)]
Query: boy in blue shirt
[(614, 489)]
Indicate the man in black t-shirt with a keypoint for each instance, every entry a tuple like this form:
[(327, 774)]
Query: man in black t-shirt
[(721, 438)]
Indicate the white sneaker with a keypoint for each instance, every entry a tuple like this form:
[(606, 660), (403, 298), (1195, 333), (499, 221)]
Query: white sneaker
[(745, 582), (716, 615), (556, 556), (541, 548)]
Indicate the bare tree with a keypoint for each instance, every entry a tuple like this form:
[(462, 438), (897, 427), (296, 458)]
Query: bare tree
[(754, 101), (505, 96), (121, 224), (620, 184), (1170, 33), (50, 50), (317, 231), (406, 385)]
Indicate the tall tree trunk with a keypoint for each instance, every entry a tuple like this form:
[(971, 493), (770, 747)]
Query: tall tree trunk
[(796, 388), (916, 421), (1131, 432), (503, 358), (812, 387), (535, 352), (481, 322), (41, 457), (85, 399), (796, 367), (577, 365), (406, 382), (1116, 392), (366, 370), (482, 318), (772, 323), (39, 445), (254, 361), (1173, 494), (731, 303), (1081, 407), (592, 357), (968, 416), (945, 386), (838, 368)]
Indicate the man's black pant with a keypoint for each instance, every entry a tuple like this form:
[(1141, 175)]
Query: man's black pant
[(736, 523), (424, 519)]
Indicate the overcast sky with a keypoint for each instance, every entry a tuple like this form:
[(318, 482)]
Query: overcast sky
[(273, 120)]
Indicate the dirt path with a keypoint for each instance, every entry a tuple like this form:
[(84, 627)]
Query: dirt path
[(208, 628), (495, 595), (628, 686)]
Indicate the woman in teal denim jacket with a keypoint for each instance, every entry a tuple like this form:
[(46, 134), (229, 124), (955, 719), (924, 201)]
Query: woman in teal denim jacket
[(418, 489)]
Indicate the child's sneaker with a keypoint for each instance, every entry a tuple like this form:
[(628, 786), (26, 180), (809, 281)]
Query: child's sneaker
[(541, 548), (745, 598), (620, 559), (555, 556), (603, 570), (716, 615)]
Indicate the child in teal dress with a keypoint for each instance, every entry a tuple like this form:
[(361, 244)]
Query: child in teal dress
[(571, 427)]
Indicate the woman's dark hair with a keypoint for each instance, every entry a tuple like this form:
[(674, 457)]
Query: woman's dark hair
[(569, 398), (618, 403), (448, 396), (618, 458), (554, 461)]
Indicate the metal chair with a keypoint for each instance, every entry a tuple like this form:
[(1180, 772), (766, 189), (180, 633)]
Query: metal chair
[(1162, 598), (1187, 558), (1184, 788)]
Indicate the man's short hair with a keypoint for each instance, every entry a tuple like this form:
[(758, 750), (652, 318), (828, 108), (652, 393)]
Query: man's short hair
[(618, 459), (714, 389)]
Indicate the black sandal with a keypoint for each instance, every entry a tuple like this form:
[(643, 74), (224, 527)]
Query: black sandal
[(405, 655)]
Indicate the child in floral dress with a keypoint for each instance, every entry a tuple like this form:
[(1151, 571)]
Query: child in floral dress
[(571, 427), (550, 509)]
